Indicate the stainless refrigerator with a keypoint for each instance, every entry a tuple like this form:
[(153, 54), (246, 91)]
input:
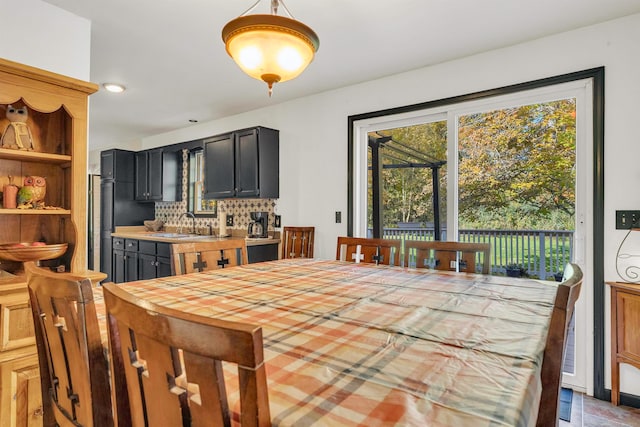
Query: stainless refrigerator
[(117, 204)]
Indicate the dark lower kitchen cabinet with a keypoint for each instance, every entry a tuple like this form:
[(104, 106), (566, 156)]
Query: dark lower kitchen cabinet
[(140, 259), (243, 163), (154, 259), (125, 266), (156, 173), (117, 270), (135, 259), (125, 260), (261, 253)]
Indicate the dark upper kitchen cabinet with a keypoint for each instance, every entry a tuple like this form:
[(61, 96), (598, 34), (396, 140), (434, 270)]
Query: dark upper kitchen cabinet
[(248, 163), (219, 167), (117, 165), (244, 163), (156, 175)]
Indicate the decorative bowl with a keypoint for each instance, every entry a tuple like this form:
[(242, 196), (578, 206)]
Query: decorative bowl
[(31, 251)]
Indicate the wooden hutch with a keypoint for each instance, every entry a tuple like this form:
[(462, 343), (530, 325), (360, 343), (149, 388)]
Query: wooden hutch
[(57, 120)]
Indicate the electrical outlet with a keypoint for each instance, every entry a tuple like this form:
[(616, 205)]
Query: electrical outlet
[(229, 220), (277, 222), (338, 217), (626, 220)]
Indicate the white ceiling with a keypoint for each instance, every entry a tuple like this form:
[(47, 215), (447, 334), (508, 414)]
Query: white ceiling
[(170, 55)]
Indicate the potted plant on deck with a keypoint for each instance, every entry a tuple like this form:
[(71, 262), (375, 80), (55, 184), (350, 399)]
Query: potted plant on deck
[(515, 270)]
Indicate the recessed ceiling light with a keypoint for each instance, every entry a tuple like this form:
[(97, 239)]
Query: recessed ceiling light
[(114, 87)]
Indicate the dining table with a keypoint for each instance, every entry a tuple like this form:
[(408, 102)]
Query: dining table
[(354, 344)]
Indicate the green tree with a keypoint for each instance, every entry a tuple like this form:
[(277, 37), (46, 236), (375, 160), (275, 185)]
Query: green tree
[(518, 159), (516, 169)]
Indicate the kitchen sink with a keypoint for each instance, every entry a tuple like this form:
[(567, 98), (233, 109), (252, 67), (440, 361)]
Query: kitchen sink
[(169, 235), (179, 236)]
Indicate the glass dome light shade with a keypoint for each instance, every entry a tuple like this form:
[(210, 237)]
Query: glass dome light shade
[(270, 48)]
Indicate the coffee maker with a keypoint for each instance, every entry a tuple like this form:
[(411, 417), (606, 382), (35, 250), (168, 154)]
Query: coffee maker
[(258, 225)]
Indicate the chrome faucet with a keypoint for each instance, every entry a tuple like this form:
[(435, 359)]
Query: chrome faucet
[(193, 222)]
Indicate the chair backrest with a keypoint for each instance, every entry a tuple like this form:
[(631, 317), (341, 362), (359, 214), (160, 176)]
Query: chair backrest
[(73, 368), (371, 251), (449, 256), (201, 256), (297, 242), (554, 352), (171, 362)]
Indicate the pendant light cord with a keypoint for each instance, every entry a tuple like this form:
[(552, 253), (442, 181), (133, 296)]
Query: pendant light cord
[(274, 8), (250, 9), (284, 6)]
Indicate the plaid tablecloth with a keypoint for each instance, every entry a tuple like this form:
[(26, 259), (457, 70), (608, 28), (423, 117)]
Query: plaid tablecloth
[(363, 345)]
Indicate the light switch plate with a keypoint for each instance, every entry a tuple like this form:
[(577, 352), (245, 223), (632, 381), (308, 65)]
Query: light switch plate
[(626, 220), (277, 222), (229, 220)]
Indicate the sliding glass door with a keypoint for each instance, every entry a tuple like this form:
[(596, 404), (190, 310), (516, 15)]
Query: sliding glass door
[(512, 170)]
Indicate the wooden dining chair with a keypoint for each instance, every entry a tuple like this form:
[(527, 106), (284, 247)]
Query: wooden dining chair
[(190, 257), (73, 368), (297, 242), (365, 250), (449, 256), (554, 351), (171, 363)]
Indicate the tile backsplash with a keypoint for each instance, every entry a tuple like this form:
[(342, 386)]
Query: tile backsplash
[(170, 212)]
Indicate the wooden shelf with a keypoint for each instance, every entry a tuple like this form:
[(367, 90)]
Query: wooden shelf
[(625, 322), (58, 122), (33, 156), (35, 211)]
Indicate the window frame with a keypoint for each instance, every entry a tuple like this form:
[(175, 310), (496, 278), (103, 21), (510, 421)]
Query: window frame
[(195, 181)]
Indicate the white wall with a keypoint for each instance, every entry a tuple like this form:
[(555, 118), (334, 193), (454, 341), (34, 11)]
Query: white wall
[(44, 36), (313, 139)]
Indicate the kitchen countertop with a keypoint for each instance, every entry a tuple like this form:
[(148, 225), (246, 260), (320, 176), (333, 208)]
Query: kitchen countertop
[(134, 233)]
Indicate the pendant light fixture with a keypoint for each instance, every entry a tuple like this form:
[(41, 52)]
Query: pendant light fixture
[(270, 48)]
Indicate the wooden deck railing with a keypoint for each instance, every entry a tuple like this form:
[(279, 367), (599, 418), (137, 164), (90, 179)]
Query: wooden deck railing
[(542, 253)]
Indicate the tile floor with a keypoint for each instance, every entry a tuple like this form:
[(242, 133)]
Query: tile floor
[(589, 412)]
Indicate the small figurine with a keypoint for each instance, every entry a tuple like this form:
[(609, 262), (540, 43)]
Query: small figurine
[(31, 195), (10, 194), (17, 134)]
